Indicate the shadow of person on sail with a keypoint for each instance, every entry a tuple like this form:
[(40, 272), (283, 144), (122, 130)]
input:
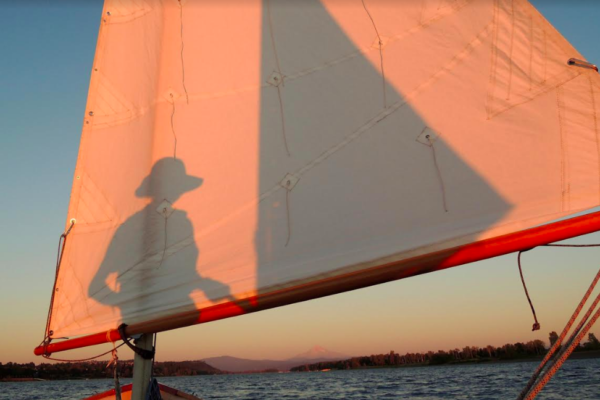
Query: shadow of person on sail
[(151, 261)]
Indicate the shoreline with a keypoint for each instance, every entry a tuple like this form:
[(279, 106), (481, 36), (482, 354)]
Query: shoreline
[(574, 356)]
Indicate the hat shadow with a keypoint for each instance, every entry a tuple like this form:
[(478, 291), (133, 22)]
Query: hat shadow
[(131, 284)]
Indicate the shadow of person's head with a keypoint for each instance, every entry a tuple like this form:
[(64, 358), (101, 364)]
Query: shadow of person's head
[(167, 180)]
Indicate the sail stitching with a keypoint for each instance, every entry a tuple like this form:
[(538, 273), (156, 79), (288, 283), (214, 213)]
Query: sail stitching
[(545, 56), (531, 42), (595, 116), (89, 182), (445, 12), (563, 150), (456, 60), (491, 98), (403, 35), (537, 89), (510, 54)]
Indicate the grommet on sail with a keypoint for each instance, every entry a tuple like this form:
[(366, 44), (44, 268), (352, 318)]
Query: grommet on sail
[(182, 214)]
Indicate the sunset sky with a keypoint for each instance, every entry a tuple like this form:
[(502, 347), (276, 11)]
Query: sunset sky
[(47, 53)]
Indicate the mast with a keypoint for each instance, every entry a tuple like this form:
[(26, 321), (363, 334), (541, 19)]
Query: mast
[(142, 367)]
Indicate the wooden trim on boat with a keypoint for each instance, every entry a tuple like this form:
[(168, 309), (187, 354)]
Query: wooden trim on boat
[(177, 394)]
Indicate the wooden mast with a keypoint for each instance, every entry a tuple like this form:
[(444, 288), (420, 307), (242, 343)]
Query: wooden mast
[(142, 368)]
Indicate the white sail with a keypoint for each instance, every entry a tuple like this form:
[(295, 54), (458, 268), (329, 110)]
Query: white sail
[(232, 149)]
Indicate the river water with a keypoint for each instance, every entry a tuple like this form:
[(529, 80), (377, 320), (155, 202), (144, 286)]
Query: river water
[(578, 379)]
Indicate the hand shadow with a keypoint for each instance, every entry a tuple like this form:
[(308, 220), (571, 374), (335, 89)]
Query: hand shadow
[(146, 267)]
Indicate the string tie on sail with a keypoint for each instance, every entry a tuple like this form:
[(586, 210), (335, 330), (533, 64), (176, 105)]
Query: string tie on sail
[(145, 354)]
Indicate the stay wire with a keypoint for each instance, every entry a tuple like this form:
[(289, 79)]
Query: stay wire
[(62, 242), (551, 352), (556, 356)]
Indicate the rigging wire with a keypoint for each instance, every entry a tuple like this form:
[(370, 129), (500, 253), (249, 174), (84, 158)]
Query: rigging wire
[(556, 355), (62, 242), (573, 342)]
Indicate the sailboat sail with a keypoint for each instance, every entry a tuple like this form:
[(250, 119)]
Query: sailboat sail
[(232, 150)]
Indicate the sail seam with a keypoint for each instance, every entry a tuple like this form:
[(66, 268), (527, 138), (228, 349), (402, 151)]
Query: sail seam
[(531, 41), (510, 55), (458, 58), (493, 64), (282, 115), (595, 116), (446, 11), (563, 161)]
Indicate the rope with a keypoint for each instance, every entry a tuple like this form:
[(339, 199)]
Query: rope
[(558, 342), (536, 324), (550, 365), (145, 354), (562, 357), (115, 361), (47, 356)]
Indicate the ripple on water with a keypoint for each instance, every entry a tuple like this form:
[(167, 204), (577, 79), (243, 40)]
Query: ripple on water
[(578, 380)]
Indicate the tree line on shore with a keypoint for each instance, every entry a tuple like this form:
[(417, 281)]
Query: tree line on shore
[(515, 351), (98, 369)]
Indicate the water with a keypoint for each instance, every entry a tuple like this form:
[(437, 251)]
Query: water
[(579, 379)]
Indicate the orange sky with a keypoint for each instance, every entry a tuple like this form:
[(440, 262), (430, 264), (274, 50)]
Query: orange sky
[(477, 304)]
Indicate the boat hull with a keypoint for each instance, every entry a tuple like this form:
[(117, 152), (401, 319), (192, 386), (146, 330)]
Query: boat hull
[(166, 392)]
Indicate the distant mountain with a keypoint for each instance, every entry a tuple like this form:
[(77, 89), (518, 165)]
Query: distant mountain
[(319, 353), (234, 364)]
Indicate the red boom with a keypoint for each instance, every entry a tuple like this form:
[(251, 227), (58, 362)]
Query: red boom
[(484, 249)]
